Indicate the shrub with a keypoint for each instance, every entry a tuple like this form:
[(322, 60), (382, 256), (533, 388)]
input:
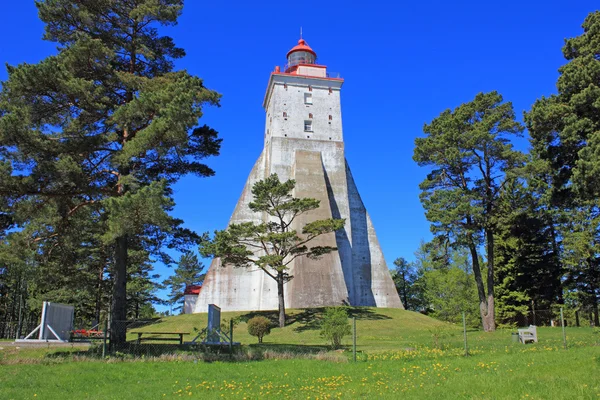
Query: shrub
[(439, 334), (259, 327), (335, 326), (225, 324)]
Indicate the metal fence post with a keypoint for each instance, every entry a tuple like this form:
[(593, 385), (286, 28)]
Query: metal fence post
[(231, 336), (108, 333), (104, 338), (465, 334), (562, 322), (18, 335), (354, 338)]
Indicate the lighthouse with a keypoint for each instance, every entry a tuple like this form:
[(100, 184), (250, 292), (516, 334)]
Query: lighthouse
[(303, 140)]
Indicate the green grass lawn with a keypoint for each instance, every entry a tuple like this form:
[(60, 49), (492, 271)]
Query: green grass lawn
[(401, 355), (379, 330), (539, 374)]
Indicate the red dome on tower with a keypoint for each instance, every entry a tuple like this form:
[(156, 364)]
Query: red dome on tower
[(300, 54), (302, 46)]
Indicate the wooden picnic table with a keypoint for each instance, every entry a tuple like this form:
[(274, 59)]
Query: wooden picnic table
[(141, 333)]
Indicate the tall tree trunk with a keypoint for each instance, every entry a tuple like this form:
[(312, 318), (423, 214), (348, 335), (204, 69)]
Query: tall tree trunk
[(98, 306), (119, 300), (280, 284), (404, 290), (484, 300), (595, 308), (489, 319), (556, 251)]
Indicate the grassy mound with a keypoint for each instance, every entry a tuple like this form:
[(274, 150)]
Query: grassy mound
[(377, 328)]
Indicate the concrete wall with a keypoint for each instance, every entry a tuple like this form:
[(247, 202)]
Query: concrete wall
[(357, 272), (233, 288), (189, 303), (316, 282)]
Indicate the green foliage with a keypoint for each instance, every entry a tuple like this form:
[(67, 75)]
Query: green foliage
[(565, 128), (439, 334), (259, 327), (273, 245), (471, 157), (581, 256), (226, 323), (408, 283), (92, 140), (565, 138), (447, 283), (188, 272), (335, 326), (528, 265)]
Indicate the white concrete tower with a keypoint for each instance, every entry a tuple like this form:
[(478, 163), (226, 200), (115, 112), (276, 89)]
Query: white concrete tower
[(303, 140)]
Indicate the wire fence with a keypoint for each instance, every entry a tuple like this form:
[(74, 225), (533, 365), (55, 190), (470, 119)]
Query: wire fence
[(16, 330), (303, 333), (142, 338), (574, 318)]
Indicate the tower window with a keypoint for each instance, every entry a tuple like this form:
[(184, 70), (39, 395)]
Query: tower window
[(308, 126), (308, 98)]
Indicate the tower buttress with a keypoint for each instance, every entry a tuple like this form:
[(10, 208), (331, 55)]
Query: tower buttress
[(304, 141)]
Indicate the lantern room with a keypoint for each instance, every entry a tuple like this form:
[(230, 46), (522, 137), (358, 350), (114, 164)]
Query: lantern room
[(301, 61), (301, 54)]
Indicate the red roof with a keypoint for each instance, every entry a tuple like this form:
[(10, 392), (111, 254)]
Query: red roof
[(302, 46), (192, 289)]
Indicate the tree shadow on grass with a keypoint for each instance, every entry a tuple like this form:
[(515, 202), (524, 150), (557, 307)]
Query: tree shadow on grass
[(132, 349), (297, 349), (311, 318), (61, 354)]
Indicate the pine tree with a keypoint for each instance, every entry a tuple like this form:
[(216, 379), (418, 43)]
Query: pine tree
[(471, 155), (104, 128), (406, 278), (271, 246), (189, 271), (565, 137), (528, 267)]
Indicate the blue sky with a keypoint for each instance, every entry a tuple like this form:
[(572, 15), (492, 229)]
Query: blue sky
[(403, 64)]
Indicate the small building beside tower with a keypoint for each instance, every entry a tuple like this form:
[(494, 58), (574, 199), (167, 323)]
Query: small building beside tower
[(190, 295)]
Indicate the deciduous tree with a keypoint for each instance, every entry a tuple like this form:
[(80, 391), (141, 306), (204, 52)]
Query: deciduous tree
[(446, 281)]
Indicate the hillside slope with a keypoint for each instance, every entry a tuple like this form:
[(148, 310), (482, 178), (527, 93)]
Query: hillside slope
[(377, 328)]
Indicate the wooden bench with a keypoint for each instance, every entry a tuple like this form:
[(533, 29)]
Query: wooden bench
[(141, 334), (528, 334)]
